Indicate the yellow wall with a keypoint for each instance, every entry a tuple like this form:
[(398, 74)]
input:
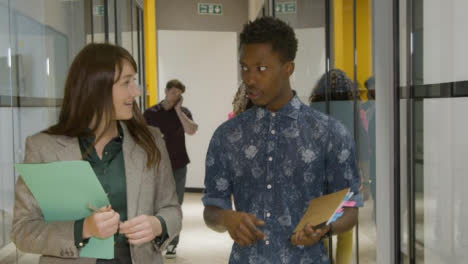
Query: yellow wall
[(343, 36), (343, 39), (364, 40), (151, 65)]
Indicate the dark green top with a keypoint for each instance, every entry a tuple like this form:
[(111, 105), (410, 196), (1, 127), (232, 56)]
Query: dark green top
[(110, 170)]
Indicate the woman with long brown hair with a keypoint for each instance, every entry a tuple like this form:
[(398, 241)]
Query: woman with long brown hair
[(101, 123)]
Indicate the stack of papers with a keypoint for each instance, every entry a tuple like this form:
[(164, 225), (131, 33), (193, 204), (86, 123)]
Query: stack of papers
[(326, 209)]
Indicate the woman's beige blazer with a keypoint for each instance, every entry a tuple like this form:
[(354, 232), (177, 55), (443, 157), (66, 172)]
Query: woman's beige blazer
[(149, 191)]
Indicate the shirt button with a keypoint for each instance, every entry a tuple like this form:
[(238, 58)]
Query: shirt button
[(273, 132), (268, 214), (269, 186), (273, 114), (105, 153), (270, 158), (267, 242), (80, 244)]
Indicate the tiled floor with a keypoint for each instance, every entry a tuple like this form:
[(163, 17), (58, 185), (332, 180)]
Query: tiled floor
[(201, 245)]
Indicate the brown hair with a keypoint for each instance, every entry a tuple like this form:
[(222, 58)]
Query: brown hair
[(175, 84), (88, 95)]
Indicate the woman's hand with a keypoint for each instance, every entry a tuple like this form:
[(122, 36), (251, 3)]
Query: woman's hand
[(101, 224), (141, 229)]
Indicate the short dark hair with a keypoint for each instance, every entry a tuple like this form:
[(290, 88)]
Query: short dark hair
[(270, 30), (175, 84)]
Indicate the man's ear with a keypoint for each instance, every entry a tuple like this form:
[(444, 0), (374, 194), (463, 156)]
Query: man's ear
[(289, 68)]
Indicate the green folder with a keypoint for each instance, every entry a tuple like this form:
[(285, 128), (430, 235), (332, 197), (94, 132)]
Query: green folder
[(63, 190)]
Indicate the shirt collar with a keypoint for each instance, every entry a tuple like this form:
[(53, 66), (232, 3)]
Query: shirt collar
[(90, 137), (290, 109)]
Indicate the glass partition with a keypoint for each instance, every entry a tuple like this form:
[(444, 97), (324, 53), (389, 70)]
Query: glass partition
[(334, 73), (38, 40), (6, 131), (436, 141)]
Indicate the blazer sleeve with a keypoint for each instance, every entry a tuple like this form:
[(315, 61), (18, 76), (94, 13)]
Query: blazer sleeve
[(30, 232), (166, 202)]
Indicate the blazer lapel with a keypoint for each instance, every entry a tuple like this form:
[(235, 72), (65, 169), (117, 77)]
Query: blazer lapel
[(69, 148), (134, 158)]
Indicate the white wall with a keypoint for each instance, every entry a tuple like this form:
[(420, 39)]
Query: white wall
[(445, 41), (206, 62), (310, 61), (445, 181), (255, 6)]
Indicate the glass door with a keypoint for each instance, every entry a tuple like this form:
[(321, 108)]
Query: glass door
[(334, 74), (7, 177), (436, 90)]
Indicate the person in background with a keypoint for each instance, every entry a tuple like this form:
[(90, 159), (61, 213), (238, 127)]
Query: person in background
[(368, 113), (341, 93), (174, 121), (340, 89), (274, 158), (101, 123), (241, 102)]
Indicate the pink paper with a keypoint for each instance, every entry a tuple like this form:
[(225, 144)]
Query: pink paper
[(349, 204)]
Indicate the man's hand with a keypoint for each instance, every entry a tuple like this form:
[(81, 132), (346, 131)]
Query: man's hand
[(308, 236), (141, 229), (101, 224), (178, 105), (242, 227)]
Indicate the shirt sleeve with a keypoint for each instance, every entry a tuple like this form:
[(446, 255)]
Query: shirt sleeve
[(187, 113), (149, 116), (341, 168), (218, 183), (78, 232), (159, 240)]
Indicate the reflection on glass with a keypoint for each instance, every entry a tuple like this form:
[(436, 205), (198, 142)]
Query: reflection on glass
[(438, 228), (350, 101), (334, 94), (404, 148), (99, 25), (6, 136), (113, 27), (37, 39)]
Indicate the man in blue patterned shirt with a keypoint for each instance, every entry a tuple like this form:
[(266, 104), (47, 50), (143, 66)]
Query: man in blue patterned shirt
[(274, 158)]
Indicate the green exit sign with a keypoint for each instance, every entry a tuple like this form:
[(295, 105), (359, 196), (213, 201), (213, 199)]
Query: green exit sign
[(286, 8), (98, 10), (210, 9)]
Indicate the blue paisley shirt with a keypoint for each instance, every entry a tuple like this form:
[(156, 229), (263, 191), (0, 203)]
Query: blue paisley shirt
[(273, 164)]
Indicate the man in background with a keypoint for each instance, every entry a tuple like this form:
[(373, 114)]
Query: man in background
[(174, 121)]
